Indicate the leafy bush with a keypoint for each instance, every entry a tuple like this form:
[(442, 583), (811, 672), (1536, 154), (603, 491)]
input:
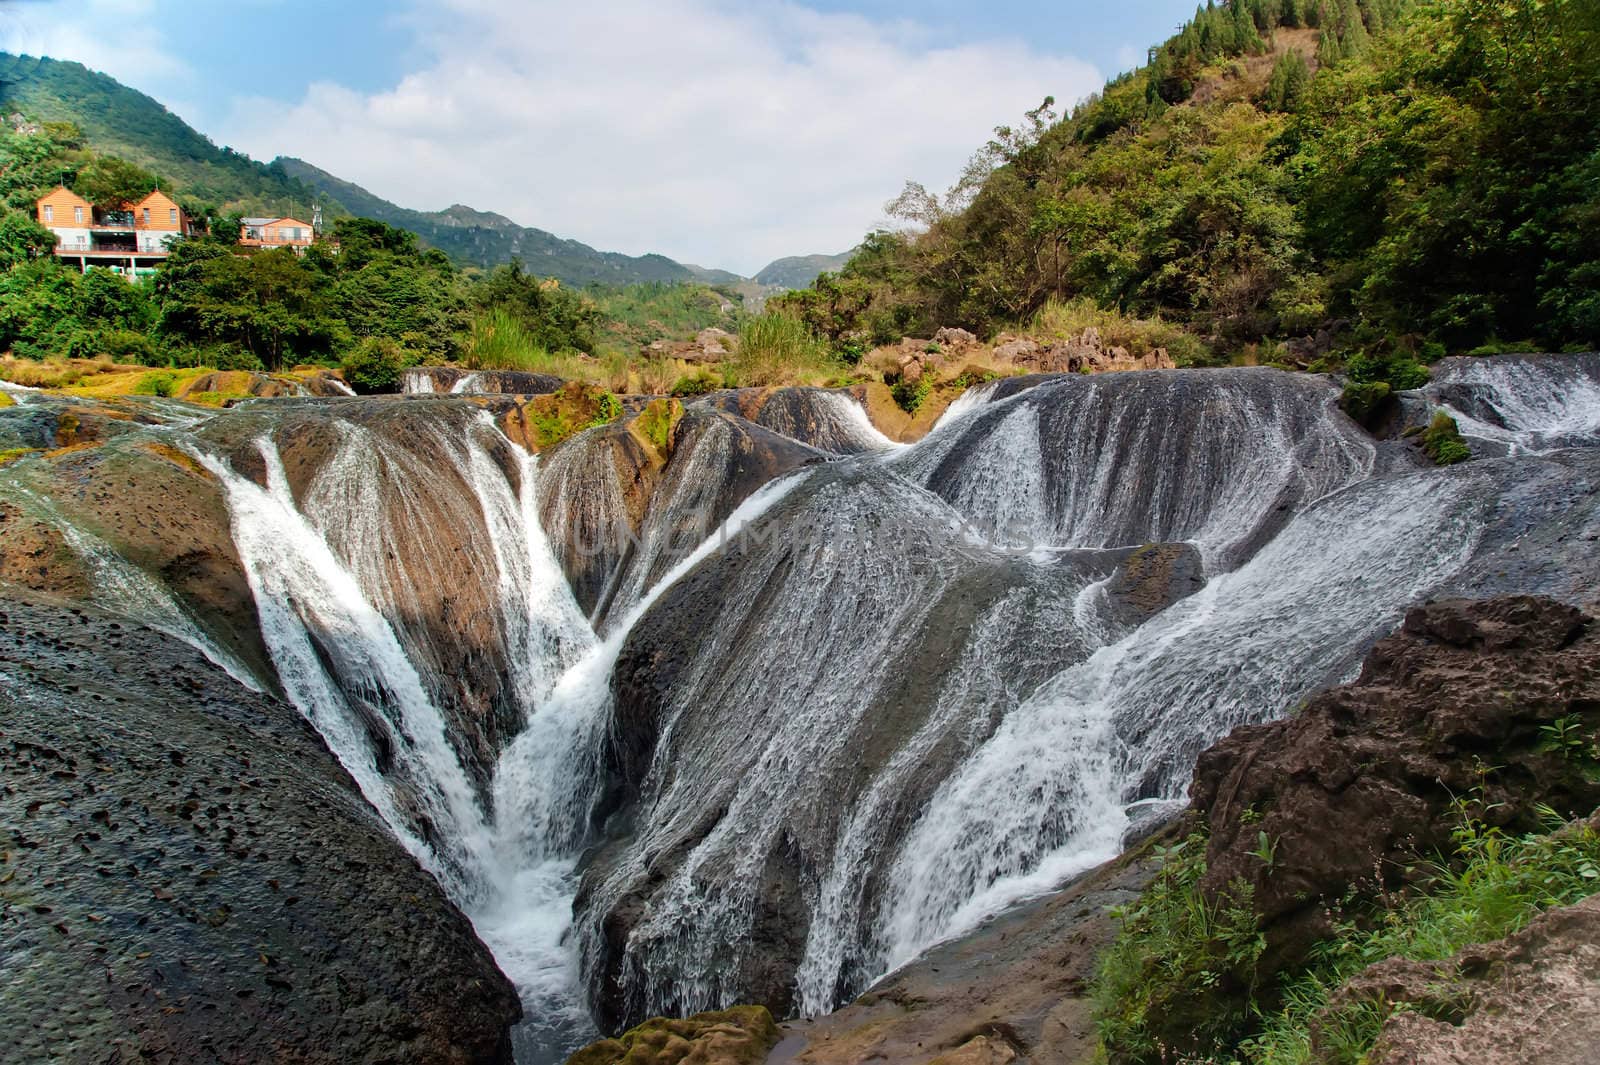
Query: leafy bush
[(696, 384), (1400, 372), (155, 384), (1442, 442), (375, 365), (910, 395)]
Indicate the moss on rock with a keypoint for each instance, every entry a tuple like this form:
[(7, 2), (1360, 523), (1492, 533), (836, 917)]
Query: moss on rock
[(1441, 441), (1369, 403), (739, 1036), (657, 422)]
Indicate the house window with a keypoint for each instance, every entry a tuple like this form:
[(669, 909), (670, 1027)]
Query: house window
[(49, 213), (172, 215), (77, 215), (147, 216)]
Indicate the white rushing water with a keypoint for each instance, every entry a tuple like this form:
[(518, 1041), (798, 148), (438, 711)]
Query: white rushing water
[(341, 574), (1529, 404), (908, 687)]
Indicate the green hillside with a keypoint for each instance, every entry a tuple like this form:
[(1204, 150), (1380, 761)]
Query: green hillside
[(120, 121), (123, 122), (484, 239), (1303, 182)]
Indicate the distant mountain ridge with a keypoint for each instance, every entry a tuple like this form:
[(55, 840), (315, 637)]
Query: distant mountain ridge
[(487, 239), (125, 122), (798, 271)]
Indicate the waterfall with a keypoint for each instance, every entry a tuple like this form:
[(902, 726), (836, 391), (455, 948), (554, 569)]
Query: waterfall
[(412, 547), (948, 676), (828, 420), (768, 716), (124, 589), (1522, 403), (1138, 457)]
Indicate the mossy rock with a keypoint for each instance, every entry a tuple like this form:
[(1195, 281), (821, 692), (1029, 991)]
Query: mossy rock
[(1369, 404), (1441, 441), (657, 422), (577, 406), (739, 1036), (6, 400)]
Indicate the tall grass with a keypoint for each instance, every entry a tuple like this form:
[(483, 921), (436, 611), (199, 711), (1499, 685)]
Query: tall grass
[(779, 349), (1065, 319)]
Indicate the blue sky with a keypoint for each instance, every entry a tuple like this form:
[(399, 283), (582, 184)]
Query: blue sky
[(710, 131)]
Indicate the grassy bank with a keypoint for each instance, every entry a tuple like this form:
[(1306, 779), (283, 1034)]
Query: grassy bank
[(1176, 950)]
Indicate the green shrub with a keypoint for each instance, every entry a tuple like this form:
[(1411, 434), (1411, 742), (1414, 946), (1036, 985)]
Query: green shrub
[(1367, 403), (1175, 980), (911, 395), (1401, 372), (1442, 442), (155, 384), (696, 384), (375, 365)]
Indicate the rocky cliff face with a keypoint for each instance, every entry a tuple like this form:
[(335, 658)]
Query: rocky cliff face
[(188, 873), (1361, 783)]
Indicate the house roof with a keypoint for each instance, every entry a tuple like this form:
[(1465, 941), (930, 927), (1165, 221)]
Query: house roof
[(61, 191), (274, 222), (157, 195)]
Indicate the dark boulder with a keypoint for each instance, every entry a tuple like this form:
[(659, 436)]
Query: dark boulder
[(188, 874)]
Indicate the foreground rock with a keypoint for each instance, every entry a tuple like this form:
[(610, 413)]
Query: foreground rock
[(1533, 996), (1352, 790), (187, 874), (1015, 990), (738, 1036)]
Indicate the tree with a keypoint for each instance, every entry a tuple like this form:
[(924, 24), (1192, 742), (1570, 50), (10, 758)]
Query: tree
[(272, 305), (22, 239), (111, 183), (1286, 89)]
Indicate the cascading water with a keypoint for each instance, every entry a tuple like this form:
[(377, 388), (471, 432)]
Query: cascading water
[(876, 731), (771, 720), (341, 575), (346, 572), (1527, 404)]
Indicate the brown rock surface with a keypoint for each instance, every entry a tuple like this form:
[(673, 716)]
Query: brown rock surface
[(738, 1036), (1014, 990), (1531, 997), (1360, 784)]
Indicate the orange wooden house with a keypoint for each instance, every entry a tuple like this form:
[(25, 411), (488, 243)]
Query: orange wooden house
[(132, 240)]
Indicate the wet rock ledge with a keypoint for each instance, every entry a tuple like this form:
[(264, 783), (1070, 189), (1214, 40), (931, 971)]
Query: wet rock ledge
[(186, 874)]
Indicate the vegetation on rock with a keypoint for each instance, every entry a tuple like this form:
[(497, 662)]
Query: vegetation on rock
[(1441, 441), (738, 1036)]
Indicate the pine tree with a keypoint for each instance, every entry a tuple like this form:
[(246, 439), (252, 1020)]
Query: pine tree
[(1287, 86)]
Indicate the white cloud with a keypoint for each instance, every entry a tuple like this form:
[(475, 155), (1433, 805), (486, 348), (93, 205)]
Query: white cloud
[(713, 134), (118, 37)]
